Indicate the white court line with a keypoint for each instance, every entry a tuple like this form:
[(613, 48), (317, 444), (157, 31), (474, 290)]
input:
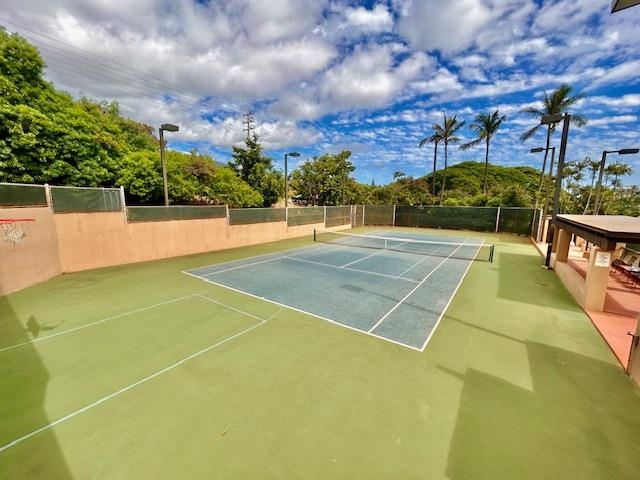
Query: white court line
[(414, 289), (361, 259), (444, 310), (395, 277), (276, 255), (64, 332), (289, 307), (238, 267), (143, 380), (427, 256)]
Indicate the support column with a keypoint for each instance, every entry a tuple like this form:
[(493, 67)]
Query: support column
[(595, 286), (554, 242), (562, 248)]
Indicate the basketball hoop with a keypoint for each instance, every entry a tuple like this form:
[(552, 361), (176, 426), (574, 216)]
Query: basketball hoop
[(15, 230)]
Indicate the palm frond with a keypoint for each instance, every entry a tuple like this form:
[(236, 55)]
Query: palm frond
[(529, 133), (471, 144)]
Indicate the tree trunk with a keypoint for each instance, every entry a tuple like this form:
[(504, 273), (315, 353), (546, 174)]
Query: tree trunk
[(486, 168), (544, 162), (593, 180), (435, 157), (444, 173)]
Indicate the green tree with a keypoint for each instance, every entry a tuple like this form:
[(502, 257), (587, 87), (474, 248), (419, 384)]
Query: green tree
[(325, 180), (559, 102), (252, 166), (447, 133), (593, 166), (141, 178), (616, 170), (485, 126)]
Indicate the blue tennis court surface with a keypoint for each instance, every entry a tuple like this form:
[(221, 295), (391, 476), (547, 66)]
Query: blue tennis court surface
[(372, 287)]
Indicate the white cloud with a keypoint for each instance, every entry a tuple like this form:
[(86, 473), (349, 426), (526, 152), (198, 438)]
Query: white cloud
[(443, 81), (370, 21), (627, 71), (613, 119), (445, 26), (370, 77), (626, 101)]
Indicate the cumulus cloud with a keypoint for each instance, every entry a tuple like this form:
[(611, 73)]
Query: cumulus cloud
[(370, 77)]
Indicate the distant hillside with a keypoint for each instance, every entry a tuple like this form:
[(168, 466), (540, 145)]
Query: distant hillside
[(467, 178)]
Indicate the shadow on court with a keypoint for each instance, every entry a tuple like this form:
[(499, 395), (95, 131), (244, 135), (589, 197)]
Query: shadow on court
[(522, 279), (23, 383), (582, 420)]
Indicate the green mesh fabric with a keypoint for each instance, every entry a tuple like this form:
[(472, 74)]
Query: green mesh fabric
[(378, 214), (243, 216), (516, 220), (175, 212), (305, 216), (85, 200), (13, 195), (358, 218), (481, 219), (338, 216)]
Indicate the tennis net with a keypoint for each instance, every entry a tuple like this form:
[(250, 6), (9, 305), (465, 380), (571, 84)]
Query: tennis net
[(463, 250)]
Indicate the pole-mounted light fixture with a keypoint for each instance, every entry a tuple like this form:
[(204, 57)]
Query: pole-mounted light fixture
[(165, 127), (603, 161), (286, 176), (547, 120)]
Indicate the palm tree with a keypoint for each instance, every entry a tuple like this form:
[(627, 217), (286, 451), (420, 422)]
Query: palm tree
[(485, 126), (447, 133), (435, 138), (557, 103), (594, 167), (617, 170)]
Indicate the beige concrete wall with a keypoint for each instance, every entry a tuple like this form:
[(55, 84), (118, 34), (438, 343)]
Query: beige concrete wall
[(81, 241), (36, 258), (92, 240)]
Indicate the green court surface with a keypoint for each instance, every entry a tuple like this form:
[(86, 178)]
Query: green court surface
[(141, 371)]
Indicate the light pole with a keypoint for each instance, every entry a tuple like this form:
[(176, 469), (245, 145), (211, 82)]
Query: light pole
[(286, 176), (623, 151), (169, 128), (553, 156), (547, 120)]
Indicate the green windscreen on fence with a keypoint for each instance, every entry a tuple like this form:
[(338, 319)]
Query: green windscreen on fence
[(175, 212), (243, 216), (85, 200), (358, 218), (378, 214), (305, 216), (338, 216), (515, 220), (12, 195), (465, 218)]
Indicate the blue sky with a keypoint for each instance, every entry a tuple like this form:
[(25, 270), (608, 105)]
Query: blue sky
[(326, 75)]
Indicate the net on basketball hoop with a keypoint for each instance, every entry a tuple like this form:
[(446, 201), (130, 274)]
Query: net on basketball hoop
[(15, 230)]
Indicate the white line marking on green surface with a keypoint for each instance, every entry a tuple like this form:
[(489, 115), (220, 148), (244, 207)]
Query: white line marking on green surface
[(98, 322), (145, 379), (414, 289)]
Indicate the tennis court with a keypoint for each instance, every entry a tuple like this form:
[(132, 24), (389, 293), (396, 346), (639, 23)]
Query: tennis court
[(143, 371), (388, 285)]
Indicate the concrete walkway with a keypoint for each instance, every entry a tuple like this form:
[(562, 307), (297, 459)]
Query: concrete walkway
[(621, 307)]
